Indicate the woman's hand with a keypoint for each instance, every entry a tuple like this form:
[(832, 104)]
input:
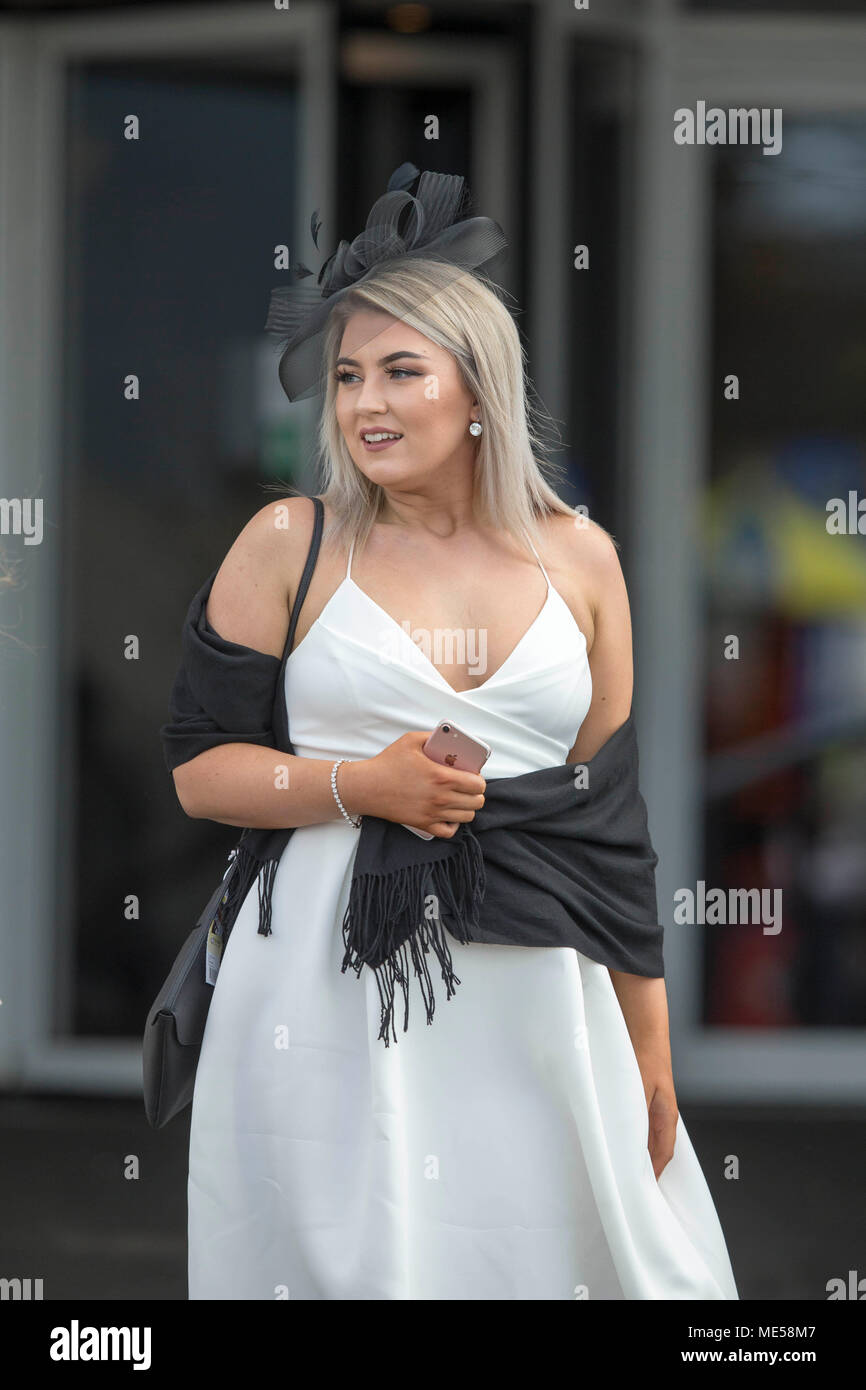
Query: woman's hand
[(644, 1004), (402, 784), (658, 1085)]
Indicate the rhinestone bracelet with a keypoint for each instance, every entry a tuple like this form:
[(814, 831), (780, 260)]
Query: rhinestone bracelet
[(355, 823)]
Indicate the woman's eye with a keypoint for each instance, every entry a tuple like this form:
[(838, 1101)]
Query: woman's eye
[(392, 371)]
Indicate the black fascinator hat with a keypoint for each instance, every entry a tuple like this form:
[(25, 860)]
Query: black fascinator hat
[(430, 223)]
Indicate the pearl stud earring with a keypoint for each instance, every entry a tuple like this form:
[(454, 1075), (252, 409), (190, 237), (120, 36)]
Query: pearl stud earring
[(475, 428)]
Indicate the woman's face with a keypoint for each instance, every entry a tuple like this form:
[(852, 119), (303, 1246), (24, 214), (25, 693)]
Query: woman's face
[(391, 379)]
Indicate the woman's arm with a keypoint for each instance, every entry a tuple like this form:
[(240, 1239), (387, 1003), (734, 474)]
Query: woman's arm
[(238, 783), (600, 579), (643, 1001), (644, 1006), (247, 784)]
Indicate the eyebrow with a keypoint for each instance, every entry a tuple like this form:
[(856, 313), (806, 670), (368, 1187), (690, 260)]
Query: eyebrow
[(383, 361)]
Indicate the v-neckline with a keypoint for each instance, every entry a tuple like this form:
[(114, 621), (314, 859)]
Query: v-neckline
[(472, 689)]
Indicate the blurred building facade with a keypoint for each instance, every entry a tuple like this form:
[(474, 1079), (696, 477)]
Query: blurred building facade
[(693, 318)]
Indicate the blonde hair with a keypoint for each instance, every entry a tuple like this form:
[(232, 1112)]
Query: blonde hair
[(468, 318)]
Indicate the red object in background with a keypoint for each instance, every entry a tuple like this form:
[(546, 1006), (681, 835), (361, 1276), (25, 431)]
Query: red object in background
[(774, 798), (749, 979), (750, 971)]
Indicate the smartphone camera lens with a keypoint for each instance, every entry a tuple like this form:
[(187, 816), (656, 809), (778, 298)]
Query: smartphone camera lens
[(446, 728)]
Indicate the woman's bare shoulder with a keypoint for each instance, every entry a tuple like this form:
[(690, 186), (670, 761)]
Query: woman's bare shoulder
[(581, 547), (583, 561), (249, 600)]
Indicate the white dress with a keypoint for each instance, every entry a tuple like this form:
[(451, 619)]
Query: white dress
[(498, 1153)]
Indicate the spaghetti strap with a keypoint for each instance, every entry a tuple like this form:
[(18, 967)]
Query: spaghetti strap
[(349, 565), (540, 565)]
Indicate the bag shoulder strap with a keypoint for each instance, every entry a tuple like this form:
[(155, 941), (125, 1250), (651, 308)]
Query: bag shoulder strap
[(312, 557), (280, 718)]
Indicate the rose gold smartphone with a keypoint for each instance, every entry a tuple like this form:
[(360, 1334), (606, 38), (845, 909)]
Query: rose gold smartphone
[(451, 746)]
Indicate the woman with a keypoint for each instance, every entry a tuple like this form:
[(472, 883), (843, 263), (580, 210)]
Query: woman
[(528, 1144)]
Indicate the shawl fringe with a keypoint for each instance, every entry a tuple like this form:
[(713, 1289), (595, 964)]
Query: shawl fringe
[(246, 869), (389, 912)]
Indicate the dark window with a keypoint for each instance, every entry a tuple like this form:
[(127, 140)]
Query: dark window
[(168, 267)]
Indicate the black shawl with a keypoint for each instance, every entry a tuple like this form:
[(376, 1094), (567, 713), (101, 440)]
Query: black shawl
[(556, 857)]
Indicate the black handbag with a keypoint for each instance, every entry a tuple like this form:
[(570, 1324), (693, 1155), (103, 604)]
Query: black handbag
[(176, 1022)]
